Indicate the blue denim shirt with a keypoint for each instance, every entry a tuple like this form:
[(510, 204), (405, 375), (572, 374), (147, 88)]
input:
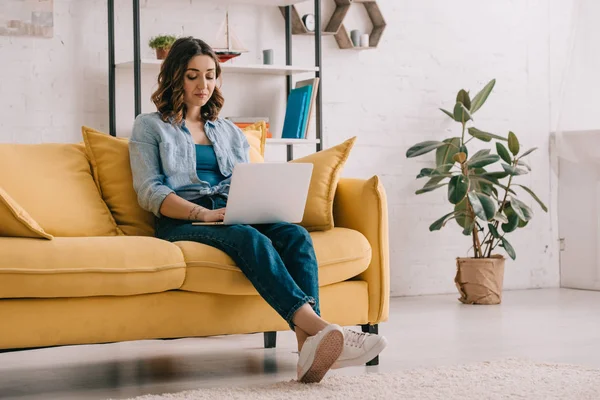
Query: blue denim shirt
[(163, 159)]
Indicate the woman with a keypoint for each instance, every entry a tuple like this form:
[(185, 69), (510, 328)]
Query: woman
[(182, 157)]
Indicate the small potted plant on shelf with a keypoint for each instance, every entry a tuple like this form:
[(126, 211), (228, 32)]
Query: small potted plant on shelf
[(484, 200), (162, 44)]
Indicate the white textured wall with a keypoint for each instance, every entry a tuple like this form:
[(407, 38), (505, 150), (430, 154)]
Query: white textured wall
[(387, 97)]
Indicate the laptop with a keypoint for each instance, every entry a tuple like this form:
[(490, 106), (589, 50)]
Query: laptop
[(266, 193)]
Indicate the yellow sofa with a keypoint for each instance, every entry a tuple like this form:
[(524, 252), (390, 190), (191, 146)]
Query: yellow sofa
[(97, 275)]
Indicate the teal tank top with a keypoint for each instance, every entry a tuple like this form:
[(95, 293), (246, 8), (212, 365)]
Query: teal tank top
[(207, 167)]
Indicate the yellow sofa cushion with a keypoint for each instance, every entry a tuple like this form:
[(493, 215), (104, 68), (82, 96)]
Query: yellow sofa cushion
[(109, 157), (327, 169), (16, 222), (95, 266), (256, 134), (54, 183), (341, 254), (111, 168)]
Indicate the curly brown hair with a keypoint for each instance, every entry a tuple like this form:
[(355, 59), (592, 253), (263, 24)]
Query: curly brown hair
[(169, 96)]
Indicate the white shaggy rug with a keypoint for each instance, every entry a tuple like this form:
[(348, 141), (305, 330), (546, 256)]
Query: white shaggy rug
[(499, 380)]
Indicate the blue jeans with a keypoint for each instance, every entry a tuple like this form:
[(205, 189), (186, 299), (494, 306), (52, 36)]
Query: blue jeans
[(279, 259)]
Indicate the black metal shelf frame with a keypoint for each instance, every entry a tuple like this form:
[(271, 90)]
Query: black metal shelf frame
[(137, 64)]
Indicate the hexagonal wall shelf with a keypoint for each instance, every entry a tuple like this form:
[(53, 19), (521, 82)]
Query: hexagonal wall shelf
[(332, 27), (343, 37)]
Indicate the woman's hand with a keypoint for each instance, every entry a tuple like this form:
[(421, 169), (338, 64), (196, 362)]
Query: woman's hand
[(213, 215)]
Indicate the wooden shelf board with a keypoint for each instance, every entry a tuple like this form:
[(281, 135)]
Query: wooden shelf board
[(237, 68), (279, 3), (291, 141)]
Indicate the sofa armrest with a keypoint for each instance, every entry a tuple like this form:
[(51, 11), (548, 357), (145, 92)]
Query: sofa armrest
[(362, 205)]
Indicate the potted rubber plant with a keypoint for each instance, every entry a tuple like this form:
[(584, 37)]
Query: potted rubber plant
[(162, 44), (483, 191)]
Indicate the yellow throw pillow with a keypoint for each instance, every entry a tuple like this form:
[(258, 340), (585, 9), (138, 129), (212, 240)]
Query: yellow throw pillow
[(111, 169), (256, 134), (16, 222), (327, 168), (54, 183)]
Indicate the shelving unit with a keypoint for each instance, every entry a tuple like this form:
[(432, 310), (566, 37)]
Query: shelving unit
[(288, 70), (234, 68)]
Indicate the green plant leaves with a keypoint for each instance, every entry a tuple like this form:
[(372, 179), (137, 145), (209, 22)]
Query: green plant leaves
[(439, 224), (521, 209), (503, 153), (494, 231), (513, 219), (485, 136), (508, 247), (528, 152), (461, 113), (482, 161), (423, 148), (425, 172), (482, 96), (513, 170), (501, 218), (535, 197), (524, 164), (457, 188), (483, 206), (513, 143), (448, 113), (445, 153), (431, 188), (463, 97)]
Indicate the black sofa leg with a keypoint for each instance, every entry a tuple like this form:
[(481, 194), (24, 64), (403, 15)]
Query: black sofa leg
[(270, 340), (371, 329)]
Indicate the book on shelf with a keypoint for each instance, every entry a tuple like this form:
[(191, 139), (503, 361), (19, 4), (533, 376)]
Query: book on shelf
[(314, 83), (295, 113)]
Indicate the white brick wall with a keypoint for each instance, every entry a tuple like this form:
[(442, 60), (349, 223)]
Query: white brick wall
[(387, 97)]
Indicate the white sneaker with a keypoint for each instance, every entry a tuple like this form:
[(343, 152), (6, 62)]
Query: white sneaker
[(359, 348), (319, 352)]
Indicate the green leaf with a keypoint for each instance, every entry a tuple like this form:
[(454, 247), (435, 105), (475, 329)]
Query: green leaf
[(496, 175), (434, 180), (494, 231), (423, 148), (522, 224), (524, 164), (483, 206), (427, 189), (461, 211), (439, 224), (513, 143), (521, 209), (469, 225), (463, 97), (481, 153), (528, 152), (491, 182), (485, 136), (509, 249), (503, 153), (425, 172), (482, 96), (444, 154), (513, 170), (461, 114), (513, 219), (501, 218), (448, 113), (463, 149), (535, 197), (483, 161), (457, 189)]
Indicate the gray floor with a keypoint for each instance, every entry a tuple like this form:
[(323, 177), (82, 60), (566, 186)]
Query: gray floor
[(554, 325)]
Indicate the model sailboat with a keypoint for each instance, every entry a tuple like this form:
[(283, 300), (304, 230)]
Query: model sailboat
[(228, 45)]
